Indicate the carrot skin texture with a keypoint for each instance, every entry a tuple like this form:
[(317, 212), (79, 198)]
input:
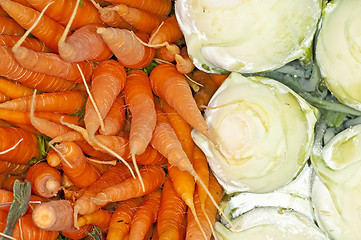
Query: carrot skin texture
[(9, 27), (76, 47), (61, 11), (14, 89), (3, 97), (167, 53), (200, 165), (171, 213), (115, 117), (74, 233), (168, 32), (113, 19), (61, 102), (45, 180), (122, 216), (160, 7), (8, 183), (219, 79), (150, 157), (43, 82), (89, 150), (145, 216), (12, 168), (48, 30), (30, 43), (81, 172), (25, 150), (170, 85), (8, 196), (100, 218), (184, 64), (153, 177)]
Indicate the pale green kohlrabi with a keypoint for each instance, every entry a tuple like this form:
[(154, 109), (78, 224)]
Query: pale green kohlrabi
[(271, 223), (263, 134), (247, 36), (336, 191), (338, 50)]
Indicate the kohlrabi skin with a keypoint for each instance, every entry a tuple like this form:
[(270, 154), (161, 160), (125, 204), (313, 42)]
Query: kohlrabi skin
[(271, 223), (247, 36), (336, 191), (338, 50), (263, 134)]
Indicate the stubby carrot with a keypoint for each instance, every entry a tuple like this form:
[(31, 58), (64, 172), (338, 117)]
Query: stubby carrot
[(100, 218), (9, 27), (167, 53), (53, 158)]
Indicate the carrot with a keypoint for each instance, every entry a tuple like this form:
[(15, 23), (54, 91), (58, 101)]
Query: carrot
[(6, 198), (114, 119), (3, 13), (55, 215), (90, 151), (149, 157), (167, 53), (61, 102), (8, 184), (43, 82), (48, 30), (219, 79), (170, 85), (45, 180), (153, 177), (77, 233), (207, 89), (100, 218), (25, 229), (61, 12), (171, 213), (30, 43), (121, 218), (139, 99), (168, 32), (14, 89), (126, 47), (211, 211), (145, 216), (3, 97), (80, 172), (24, 151), (184, 63), (160, 7), (53, 158), (9, 27), (12, 168)]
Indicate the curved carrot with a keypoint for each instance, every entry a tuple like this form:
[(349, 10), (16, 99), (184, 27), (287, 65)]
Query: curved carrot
[(114, 119), (12, 168), (48, 30), (100, 218), (60, 11), (168, 32), (30, 43), (153, 177), (206, 91), (145, 215), (171, 213), (9, 27), (43, 82), (160, 7), (170, 85), (129, 51), (14, 89), (45, 180), (122, 216), (184, 64), (24, 151)]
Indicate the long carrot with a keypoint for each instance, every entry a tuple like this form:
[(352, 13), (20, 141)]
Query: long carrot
[(121, 219), (14, 89), (114, 119), (24, 151), (171, 213), (145, 216), (48, 30), (45, 180), (9, 27), (43, 82), (100, 218), (170, 85), (153, 177), (160, 7), (129, 51), (61, 12), (30, 43)]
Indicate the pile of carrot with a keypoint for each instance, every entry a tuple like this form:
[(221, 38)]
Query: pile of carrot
[(96, 111)]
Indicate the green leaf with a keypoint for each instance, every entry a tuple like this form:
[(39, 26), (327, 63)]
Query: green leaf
[(80, 113), (18, 207), (150, 67), (43, 148)]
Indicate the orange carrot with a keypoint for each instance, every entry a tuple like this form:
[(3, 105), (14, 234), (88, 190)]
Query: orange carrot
[(184, 63), (145, 216), (207, 89), (3, 13), (3, 97), (115, 117), (53, 158), (121, 219), (160, 7), (6, 198), (25, 229), (26, 149), (168, 32), (90, 151), (201, 167), (149, 157), (61, 102), (12, 168), (77, 233), (9, 27), (45, 180), (111, 17), (9, 182), (167, 53), (170, 85), (43, 82), (55, 215), (126, 47), (30, 43), (100, 218), (153, 177), (171, 213), (60, 11), (48, 30), (14, 89), (80, 172), (219, 79)]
